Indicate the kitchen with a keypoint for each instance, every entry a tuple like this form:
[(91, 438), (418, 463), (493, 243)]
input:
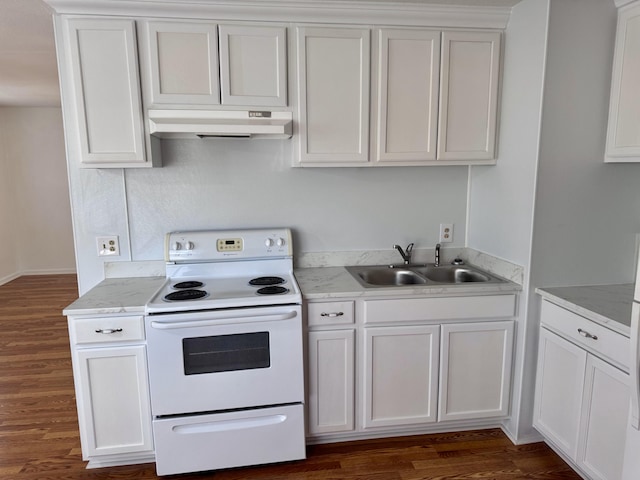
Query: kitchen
[(550, 161)]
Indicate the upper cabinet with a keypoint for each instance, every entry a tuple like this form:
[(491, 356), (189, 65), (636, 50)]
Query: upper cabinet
[(623, 134), (405, 99), (468, 95), (434, 96), (204, 64), (102, 75), (333, 95)]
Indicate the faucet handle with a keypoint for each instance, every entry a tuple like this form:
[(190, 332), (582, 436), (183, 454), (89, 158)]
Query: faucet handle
[(409, 248)]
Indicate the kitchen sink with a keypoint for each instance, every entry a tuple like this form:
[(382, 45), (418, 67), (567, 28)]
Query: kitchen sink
[(389, 276), (453, 274), (392, 276)]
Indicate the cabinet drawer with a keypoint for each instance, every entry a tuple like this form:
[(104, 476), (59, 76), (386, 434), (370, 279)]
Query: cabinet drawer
[(330, 313), (441, 308), (579, 330), (106, 329)]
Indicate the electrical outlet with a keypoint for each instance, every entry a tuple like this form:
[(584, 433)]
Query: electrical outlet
[(446, 233), (108, 246)]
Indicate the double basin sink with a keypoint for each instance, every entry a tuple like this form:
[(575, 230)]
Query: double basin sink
[(403, 275)]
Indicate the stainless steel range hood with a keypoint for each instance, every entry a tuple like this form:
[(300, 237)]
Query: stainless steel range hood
[(210, 123)]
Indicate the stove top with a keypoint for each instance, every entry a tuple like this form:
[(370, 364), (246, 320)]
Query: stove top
[(226, 269)]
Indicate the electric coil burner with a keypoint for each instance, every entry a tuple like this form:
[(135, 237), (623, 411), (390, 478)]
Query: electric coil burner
[(224, 348)]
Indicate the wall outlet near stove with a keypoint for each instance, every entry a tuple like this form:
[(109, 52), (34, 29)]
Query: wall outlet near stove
[(108, 246), (446, 233)]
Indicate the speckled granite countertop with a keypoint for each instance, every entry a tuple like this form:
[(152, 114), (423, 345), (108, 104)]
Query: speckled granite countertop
[(608, 305), (337, 282), (116, 295)]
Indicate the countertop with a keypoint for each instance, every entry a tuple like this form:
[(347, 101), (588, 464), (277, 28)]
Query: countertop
[(116, 295), (608, 305), (337, 282)]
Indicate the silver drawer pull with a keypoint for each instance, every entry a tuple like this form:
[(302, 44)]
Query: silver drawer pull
[(332, 314), (108, 331), (586, 334)]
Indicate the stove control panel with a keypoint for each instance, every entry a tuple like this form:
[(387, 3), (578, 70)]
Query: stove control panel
[(226, 245)]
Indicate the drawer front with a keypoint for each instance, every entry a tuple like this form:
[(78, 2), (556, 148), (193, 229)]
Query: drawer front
[(106, 329), (330, 313), (582, 331), (440, 308)]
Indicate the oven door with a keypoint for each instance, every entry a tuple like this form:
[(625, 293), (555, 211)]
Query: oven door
[(227, 359)]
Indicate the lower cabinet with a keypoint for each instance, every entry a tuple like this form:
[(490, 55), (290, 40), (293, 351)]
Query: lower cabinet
[(581, 401), (391, 366), (475, 370), (112, 392), (331, 377), (401, 375)]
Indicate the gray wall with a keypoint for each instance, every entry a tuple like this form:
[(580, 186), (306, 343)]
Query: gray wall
[(229, 183), (587, 213)]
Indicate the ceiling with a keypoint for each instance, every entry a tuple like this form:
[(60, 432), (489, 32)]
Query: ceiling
[(28, 70)]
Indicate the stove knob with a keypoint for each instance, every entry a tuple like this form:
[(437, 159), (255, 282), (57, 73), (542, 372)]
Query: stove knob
[(189, 246), (177, 246), (268, 243), (280, 242)]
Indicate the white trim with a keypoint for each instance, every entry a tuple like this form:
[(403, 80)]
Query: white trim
[(9, 278), (494, 14)]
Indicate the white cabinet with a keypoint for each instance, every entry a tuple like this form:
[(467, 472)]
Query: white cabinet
[(102, 63), (112, 391), (253, 65), (331, 368), (623, 134), (333, 95), (434, 96), (470, 75), (331, 381), (183, 63), (203, 64), (406, 95), (581, 401), (604, 420), (559, 389), (475, 370), (401, 375)]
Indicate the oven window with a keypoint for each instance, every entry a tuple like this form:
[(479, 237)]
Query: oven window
[(226, 353)]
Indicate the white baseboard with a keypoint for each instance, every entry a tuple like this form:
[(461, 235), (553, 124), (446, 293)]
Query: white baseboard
[(8, 278), (53, 271)]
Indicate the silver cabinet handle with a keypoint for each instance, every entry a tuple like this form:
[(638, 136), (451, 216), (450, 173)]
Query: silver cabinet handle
[(108, 331), (332, 314), (586, 334)]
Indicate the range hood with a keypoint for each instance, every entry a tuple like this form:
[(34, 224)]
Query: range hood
[(210, 123)]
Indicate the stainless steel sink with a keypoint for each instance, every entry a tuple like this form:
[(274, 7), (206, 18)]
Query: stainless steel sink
[(385, 276), (390, 276), (453, 274)]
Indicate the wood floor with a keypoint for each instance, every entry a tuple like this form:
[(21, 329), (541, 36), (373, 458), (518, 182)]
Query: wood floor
[(39, 430)]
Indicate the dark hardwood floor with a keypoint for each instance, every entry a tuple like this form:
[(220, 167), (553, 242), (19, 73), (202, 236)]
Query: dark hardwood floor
[(39, 429)]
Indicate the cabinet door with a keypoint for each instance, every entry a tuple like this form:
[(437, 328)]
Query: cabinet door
[(401, 375), (253, 65), (605, 409), (104, 72), (407, 95), (113, 400), (623, 135), (475, 370), (183, 63), (331, 381), (559, 388), (468, 95), (333, 89)]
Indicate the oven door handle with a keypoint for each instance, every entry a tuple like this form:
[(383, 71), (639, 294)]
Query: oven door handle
[(210, 323)]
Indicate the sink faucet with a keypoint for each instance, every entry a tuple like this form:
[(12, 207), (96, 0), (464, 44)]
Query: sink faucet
[(406, 254), (436, 261)]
